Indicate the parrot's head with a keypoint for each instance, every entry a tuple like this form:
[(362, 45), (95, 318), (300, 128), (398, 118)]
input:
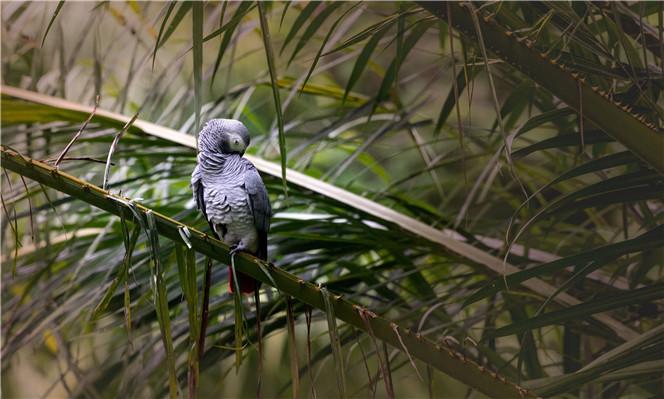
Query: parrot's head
[(226, 136)]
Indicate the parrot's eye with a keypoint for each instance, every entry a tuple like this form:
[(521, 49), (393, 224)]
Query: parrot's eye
[(232, 143)]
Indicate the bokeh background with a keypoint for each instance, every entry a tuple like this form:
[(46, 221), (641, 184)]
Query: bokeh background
[(398, 108)]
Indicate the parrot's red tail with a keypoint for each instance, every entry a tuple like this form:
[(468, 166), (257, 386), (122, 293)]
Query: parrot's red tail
[(247, 284)]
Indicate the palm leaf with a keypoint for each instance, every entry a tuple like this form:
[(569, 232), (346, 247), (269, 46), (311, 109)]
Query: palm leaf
[(443, 238), (443, 359), (568, 85)]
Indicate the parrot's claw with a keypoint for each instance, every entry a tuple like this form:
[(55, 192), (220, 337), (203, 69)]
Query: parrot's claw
[(233, 250), (236, 248)]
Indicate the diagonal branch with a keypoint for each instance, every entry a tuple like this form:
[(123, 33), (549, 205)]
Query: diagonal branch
[(616, 119), (447, 238), (440, 357)]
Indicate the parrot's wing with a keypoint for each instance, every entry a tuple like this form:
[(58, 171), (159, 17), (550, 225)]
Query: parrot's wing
[(199, 196), (259, 203), (197, 189)]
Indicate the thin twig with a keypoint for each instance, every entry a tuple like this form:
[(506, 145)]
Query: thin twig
[(78, 134), (90, 159), (307, 316), (32, 220), (259, 338), (111, 150), (204, 310), (581, 128), (295, 375), (456, 101)]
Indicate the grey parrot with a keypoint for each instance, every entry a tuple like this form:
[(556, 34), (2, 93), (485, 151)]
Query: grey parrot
[(229, 191)]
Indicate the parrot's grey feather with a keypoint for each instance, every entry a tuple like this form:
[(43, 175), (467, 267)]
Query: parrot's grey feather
[(196, 188), (230, 193), (260, 207), (199, 196)]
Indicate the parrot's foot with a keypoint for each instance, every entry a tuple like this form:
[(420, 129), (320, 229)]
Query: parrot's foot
[(239, 247), (245, 283)]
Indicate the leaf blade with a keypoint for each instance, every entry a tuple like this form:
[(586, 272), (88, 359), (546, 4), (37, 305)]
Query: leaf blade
[(275, 92)]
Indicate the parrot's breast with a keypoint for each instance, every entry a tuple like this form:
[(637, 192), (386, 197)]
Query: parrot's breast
[(229, 212)]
